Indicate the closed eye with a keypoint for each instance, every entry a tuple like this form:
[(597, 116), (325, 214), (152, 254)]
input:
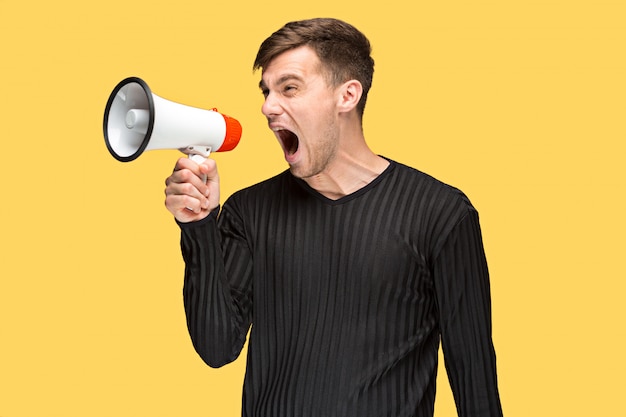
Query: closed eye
[(290, 89)]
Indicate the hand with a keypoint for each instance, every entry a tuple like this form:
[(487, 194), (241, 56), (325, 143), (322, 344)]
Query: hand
[(187, 196)]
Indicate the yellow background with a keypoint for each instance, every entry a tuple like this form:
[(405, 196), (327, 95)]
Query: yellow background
[(519, 103)]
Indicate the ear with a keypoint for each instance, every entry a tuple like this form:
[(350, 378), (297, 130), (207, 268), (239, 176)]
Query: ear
[(349, 95)]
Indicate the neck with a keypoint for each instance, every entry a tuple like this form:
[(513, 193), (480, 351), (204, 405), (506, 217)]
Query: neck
[(349, 172)]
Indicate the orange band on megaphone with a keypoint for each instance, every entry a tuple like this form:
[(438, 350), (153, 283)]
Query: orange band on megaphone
[(233, 134)]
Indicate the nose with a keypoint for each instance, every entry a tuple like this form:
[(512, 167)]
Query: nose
[(271, 106)]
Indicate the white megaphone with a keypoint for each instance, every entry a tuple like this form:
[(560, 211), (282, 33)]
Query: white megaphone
[(135, 120)]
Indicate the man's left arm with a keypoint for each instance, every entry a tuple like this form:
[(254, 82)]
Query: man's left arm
[(464, 300)]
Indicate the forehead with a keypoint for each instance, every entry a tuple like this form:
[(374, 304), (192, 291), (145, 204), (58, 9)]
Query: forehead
[(300, 63)]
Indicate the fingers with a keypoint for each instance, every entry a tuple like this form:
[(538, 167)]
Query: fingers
[(187, 196)]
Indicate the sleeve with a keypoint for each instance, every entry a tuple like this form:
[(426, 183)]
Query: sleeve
[(464, 301), (217, 289)]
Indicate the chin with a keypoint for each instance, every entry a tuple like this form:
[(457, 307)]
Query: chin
[(302, 172), (297, 172)]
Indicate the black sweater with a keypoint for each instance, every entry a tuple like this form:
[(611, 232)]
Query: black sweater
[(347, 298)]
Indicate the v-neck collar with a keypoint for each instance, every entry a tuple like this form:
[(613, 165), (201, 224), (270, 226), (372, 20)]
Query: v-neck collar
[(351, 196)]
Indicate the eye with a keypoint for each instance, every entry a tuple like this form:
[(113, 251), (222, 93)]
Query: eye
[(265, 92), (290, 89)]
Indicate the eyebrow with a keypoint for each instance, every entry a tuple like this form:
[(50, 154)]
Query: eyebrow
[(281, 80)]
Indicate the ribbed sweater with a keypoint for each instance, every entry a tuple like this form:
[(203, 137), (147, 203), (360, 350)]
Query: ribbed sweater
[(345, 301)]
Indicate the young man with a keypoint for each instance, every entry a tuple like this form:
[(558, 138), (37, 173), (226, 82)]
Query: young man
[(349, 267)]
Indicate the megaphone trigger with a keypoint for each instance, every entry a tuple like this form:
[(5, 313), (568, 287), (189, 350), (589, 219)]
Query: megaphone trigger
[(198, 154)]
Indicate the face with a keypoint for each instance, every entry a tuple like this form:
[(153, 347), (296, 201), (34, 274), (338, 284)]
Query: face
[(301, 111)]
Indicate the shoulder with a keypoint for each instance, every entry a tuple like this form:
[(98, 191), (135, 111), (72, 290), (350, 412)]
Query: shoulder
[(435, 209), (274, 183), (427, 190), (261, 192)]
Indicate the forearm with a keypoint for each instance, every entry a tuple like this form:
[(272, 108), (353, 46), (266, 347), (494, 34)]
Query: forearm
[(217, 327)]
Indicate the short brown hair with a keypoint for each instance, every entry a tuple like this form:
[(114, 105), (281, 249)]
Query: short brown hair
[(342, 49)]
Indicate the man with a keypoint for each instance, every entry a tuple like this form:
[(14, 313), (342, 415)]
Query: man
[(349, 267)]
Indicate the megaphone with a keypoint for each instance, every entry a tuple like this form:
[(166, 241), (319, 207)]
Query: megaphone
[(136, 120)]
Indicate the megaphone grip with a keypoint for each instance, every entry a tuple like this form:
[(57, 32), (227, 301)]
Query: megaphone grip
[(199, 159)]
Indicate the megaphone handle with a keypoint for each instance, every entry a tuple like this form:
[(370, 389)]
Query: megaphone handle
[(199, 159)]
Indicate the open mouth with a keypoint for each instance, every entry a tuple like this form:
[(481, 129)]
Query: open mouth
[(289, 140)]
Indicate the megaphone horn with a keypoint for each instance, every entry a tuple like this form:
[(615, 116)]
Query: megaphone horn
[(136, 120)]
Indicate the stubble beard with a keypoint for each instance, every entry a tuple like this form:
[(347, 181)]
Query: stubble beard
[(319, 156)]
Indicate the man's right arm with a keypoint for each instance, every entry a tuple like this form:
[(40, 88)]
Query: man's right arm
[(218, 311), (218, 302)]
